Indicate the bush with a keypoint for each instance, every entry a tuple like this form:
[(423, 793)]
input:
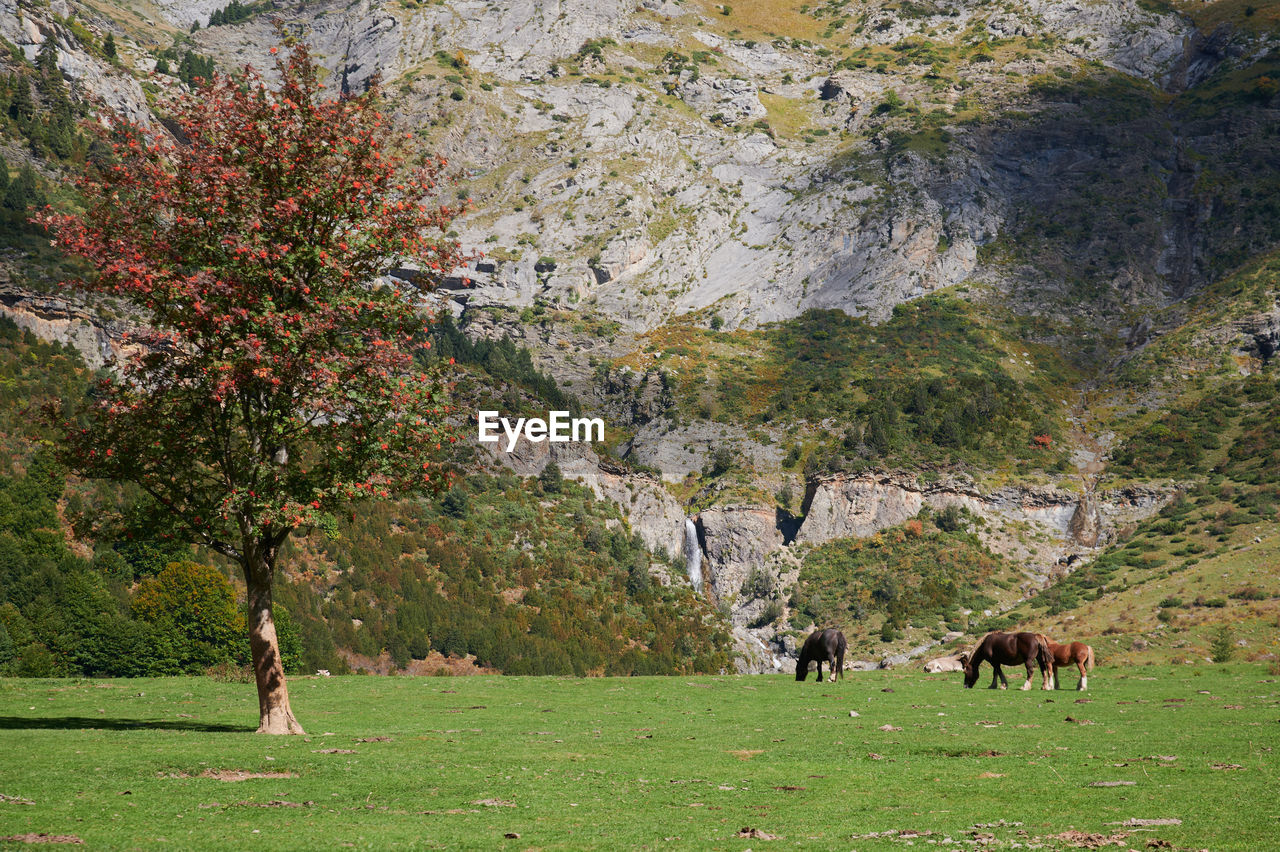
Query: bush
[(950, 519), (771, 613), (1223, 646), (196, 606), (759, 584), (551, 478)]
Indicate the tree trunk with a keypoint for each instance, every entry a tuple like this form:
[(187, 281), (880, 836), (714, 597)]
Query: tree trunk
[(274, 713)]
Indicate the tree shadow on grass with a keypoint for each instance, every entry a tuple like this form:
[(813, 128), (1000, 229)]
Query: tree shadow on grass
[(75, 723)]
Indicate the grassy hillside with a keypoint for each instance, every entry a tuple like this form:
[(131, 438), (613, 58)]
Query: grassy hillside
[(1150, 757), (529, 576), (939, 383), (907, 583), (523, 576)]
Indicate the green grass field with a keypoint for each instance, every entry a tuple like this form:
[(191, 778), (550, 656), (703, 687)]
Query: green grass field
[(649, 762)]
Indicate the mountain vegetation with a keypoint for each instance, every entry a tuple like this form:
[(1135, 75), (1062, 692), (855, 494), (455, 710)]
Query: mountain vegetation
[(1024, 254)]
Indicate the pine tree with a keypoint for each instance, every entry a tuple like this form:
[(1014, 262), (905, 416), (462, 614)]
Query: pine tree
[(47, 59), (109, 46), (22, 107), (24, 191)]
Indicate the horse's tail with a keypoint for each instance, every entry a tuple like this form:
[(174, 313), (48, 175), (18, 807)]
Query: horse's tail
[(1088, 658), (1043, 655)]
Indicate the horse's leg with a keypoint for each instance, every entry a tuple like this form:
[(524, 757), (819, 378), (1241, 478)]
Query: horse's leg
[(831, 678), (997, 674), (821, 660), (1057, 684), (1027, 685), (1084, 678)]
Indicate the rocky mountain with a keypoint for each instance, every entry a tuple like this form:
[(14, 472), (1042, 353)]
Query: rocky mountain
[(666, 196)]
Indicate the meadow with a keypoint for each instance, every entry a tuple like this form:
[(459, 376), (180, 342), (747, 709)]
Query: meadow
[(1174, 757)]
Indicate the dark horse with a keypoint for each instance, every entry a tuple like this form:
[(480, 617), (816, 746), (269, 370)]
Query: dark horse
[(822, 646), (1077, 653), (1006, 649)]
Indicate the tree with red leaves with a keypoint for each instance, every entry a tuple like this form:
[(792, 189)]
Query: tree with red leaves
[(277, 381)]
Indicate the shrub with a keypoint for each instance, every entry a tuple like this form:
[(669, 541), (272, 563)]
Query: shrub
[(772, 612), (1223, 647), (196, 605)]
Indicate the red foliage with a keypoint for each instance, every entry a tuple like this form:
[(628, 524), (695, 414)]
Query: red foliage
[(275, 382), (1042, 441)]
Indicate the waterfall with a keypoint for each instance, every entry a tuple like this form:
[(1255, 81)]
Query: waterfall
[(692, 555)]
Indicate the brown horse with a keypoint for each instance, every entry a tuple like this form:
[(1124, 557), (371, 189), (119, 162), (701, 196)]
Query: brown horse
[(1077, 653), (822, 646), (1006, 649)]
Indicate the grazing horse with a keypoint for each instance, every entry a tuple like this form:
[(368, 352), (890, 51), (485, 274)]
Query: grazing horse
[(1006, 649), (822, 646), (1076, 653)]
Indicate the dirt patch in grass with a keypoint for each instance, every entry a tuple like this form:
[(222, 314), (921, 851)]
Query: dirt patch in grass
[(43, 838), (274, 803), (231, 774), (1084, 840)]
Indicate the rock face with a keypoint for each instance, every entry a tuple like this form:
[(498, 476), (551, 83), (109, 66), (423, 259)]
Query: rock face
[(861, 505), (652, 512), (1260, 335), (760, 225), (64, 320), (737, 539), (109, 89), (727, 101)]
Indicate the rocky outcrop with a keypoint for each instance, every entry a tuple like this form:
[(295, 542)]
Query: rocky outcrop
[(1259, 335), (1085, 526), (736, 539), (859, 506), (726, 101), (63, 319), (758, 225), (651, 511), (1120, 507), (109, 89)]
